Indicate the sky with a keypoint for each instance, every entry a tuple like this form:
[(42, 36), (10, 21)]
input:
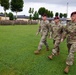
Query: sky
[(52, 5)]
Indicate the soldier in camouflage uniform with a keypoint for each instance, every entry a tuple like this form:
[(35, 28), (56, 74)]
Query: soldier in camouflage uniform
[(43, 29), (56, 30), (70, 32)]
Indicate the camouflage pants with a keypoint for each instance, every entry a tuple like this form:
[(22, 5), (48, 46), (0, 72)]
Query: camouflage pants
[(56, 47), (69, 46), (70, 58), (43, 41)]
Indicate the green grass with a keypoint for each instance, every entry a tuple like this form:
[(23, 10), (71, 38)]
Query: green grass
[(17, 46)]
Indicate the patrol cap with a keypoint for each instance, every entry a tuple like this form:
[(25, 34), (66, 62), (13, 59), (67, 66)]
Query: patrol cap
[(73, 13), (56, 17), (44, 14)]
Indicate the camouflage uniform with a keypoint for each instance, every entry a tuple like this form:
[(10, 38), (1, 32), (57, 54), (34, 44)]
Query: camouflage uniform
[(56, 35), (43, 29), (70, 31)]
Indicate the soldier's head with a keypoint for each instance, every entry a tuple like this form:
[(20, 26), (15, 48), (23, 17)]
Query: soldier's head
[(73, 16), (44, 16), (56, 19)]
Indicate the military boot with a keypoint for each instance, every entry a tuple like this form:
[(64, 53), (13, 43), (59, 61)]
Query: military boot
[(37, 51), (66, 70), (57, 53), (50, 57), (47, 49)]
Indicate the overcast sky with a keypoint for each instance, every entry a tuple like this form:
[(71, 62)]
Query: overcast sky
[(52, 5)]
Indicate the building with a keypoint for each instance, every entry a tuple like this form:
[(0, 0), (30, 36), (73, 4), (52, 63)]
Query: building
[(22, 17), (2, 17)]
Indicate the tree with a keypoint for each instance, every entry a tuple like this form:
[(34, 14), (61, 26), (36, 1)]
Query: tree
[(31, 10), (47, 13), (51, 14), (10, 15), (5, 5), (36, 15), (17, 6), (0, 1), (1, 12), (56, 14), (41, 11), (65, 15), (61, 15)]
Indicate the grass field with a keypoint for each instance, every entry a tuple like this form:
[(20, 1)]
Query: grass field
[(17, 46)]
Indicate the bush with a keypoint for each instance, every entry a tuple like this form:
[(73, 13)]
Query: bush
[(32, 22), (20, 22), (17, 22), (6, 22)]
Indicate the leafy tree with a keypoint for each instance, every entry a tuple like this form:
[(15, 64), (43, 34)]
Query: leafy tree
[(1, 12), (51, 14), (0, 1), (41, 11), (65, 15), (5, 5), (56, 14), (61, 15), (31, 10), (30, 17), (47, 13), (17, 6), (36, 15), (10, 15)]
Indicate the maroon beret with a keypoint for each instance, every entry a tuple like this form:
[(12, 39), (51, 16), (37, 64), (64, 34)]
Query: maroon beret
[(44, 14), (56, 17)]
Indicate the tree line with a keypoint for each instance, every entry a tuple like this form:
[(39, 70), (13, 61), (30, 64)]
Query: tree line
[(42, 10), (17, 6), (13, 5)]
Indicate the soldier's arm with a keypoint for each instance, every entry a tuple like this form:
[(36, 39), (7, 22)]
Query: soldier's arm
[(50, 30), (39, 29), (64, 34)]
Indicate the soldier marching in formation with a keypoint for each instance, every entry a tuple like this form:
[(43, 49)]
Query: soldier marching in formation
[(44, 28), (58, 34), (70, 32)]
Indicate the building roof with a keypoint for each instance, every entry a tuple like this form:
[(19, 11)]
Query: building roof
[(22, 16), (2, 15), (63, 19)]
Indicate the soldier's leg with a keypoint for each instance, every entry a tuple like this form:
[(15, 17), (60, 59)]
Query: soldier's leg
[(46, 44), (69, 46), (58, 50), (41, 42), (40, 45), (70, 58), (55, 50), (56, 47), (53, 41)]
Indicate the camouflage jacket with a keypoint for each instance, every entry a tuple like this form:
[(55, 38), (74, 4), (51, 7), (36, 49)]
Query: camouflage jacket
[(56, 31), (44, 27), (70, 32)]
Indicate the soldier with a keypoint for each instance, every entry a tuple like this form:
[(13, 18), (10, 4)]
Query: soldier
[(70, 32), (56, 30), (43, 29)]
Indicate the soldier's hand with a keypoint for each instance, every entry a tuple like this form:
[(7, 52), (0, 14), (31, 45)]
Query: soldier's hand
[(61, 40), (37, 33)]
